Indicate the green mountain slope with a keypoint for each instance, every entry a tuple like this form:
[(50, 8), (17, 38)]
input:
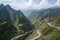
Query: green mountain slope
[(48, 23), (41, 14), (13, 23), (7, 30)]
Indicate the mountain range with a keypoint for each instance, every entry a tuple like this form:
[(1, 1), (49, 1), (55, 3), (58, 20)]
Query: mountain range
[(43, 13), (29, 24)]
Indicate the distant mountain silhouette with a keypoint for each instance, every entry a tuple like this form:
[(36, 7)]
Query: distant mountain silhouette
[(41, 14)]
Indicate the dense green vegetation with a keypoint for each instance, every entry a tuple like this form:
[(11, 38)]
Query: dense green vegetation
[(7, 31), (50, 33)]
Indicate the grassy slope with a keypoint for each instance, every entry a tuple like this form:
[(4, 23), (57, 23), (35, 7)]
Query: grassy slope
[(53, 35), (34, 33), (48, 33)]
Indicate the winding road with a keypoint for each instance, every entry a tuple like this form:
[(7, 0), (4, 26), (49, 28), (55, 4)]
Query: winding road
[(2, 23), (39, 35), (38, 32), (57, 27), (50, 24), (14, 38), (18, 27)]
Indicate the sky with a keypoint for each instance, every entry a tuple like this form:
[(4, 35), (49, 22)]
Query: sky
[(31, 4)]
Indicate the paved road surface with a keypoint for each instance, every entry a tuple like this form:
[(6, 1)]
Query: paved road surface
[(57, 27), (50, 24), (39, 35), (2, 23), (20, 35)]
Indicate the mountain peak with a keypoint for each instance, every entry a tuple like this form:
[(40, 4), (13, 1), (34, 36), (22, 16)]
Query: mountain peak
[(8, 6), (1, 6)]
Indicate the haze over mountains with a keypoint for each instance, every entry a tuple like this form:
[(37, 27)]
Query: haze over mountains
[(44, 12), (27, 12)]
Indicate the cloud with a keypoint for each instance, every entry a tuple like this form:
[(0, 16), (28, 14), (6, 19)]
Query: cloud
[(24, 5), (46, 4), (57, 3), (16, 5), (43, 4), (30, 4)]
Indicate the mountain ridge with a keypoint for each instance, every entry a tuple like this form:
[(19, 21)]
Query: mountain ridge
[(9, 21)]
